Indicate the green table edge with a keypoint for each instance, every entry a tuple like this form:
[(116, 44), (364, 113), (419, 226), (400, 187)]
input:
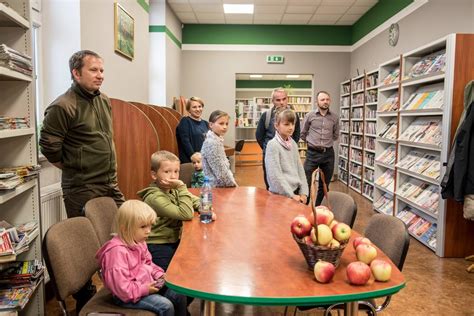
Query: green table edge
[(300, 301)]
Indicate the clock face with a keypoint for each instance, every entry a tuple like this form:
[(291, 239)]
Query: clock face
[(393, 33)]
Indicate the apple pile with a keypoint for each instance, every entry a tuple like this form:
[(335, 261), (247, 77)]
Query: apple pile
[(359, 272), (328, 233)]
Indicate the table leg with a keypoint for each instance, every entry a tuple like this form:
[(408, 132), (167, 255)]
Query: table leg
[(351, 308), (208, 308)]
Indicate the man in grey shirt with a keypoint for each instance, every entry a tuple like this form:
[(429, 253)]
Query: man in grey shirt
[(320, 130)]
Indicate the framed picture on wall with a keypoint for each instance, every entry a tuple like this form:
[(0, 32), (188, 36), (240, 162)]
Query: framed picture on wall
[(124, 32)]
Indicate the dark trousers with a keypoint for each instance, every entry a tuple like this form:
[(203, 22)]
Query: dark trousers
[(161, 254), (75, 198), (323, 160)]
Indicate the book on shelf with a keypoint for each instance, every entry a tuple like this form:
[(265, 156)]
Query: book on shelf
[(384, 204), (392, 77), (387, 156), (386, 180), (390, 104), (423, 130), (425, 100), (389, 131), (431, 63), (411, 158), (433, 170)]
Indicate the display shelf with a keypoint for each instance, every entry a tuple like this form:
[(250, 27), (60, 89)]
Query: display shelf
[(419, 90), (19, 147), (10, 194), (16, 132), (11, 75), (11, 18)]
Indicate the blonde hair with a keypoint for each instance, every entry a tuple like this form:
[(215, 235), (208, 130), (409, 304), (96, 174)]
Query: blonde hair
[(217, 114), (197, 155), (285, 115), (162, 155), (130, 216), (195, 99)]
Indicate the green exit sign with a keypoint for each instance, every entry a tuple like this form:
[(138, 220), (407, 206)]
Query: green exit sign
[(275, 59)]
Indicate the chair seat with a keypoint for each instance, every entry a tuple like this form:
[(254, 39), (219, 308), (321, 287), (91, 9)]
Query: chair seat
[(102, 302)]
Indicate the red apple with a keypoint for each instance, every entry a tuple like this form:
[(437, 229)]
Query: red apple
[(300, 226), (381, 269), (324, 271), (333, 223), (366, 253), (324, 215), (341, 232), (324, 235), (361, 240), (358, 273)]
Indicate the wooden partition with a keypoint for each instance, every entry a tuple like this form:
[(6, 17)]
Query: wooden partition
[(166, 134), (135, 140)]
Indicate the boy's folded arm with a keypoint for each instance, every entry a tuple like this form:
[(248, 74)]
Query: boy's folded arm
[(165, 208)]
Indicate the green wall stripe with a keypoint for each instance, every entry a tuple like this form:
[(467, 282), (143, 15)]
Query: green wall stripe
[(266, 34), (293, 34), (164, 29), (144, 5), (377, 15), (295, 84)]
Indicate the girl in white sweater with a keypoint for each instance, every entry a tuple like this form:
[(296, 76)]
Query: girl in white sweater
[(215, 164), (285, 173)]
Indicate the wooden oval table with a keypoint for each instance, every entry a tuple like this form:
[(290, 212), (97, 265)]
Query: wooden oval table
[(248, 256)]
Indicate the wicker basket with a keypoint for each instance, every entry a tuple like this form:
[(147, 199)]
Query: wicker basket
[(313, 253)]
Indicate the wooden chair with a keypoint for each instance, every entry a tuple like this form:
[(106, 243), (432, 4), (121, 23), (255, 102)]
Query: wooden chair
[(239, 145), (101, 212), (69, 251), (186, 172)]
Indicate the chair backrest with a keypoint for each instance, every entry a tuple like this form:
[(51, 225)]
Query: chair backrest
[(390, 234), (101, 212), (186, 172), (69, 249), (343, 206), (239, 145)]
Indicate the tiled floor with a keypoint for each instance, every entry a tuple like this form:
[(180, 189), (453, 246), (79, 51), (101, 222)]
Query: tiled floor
[(435, 286)]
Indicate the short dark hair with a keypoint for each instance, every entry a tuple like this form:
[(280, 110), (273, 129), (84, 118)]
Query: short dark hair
[(76, 61), (322, 91)]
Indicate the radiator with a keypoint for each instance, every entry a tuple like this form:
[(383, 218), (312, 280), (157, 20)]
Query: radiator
[(52, 206)]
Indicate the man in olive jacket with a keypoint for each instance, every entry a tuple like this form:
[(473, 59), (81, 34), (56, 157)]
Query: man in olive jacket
[(77, 137)]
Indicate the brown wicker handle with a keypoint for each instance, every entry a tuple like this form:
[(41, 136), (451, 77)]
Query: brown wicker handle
[(313, 194)]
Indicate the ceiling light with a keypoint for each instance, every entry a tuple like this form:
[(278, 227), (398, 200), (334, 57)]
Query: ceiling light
[(256, 76), (238, 8), (292, 76)]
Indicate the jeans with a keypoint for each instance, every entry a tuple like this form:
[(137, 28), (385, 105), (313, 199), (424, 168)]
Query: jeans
[(165, 303), (324, 161), (161, 254)]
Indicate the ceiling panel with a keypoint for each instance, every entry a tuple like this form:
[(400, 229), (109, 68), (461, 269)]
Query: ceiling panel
[(298, 12)]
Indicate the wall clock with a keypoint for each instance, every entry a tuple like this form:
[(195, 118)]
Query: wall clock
[(393, 34)]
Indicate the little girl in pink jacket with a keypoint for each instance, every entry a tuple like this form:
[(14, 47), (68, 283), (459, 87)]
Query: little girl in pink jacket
[(127, 270)]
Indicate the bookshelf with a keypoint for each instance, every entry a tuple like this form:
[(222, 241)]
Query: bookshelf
[(302, 105), (386, 135), (370, 131), (344, 117), (19, 147), (356, 115), (421, 97)]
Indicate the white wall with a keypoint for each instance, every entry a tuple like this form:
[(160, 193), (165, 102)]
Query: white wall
[(124, 78), (211, 75), (173, 58), (157, 58), (431, 21)]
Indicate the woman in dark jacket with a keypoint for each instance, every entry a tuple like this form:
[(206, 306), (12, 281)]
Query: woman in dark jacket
[(191, 130)]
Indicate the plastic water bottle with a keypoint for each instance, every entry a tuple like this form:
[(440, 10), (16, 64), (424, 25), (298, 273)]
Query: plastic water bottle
[(206, 202)]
